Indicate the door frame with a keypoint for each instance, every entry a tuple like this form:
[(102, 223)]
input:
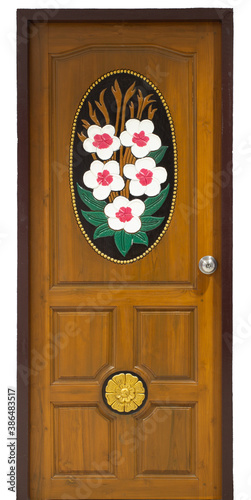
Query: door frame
[(24, 34)]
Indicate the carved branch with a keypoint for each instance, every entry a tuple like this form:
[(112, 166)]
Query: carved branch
[(129, 93), (121, 160), (151, 112), (140, 102), (126, 156), (86, 124), (102, 107), (92, 114), (127, 188), (111, 197), (118, 97), (132, 159), (131, 107), (81, 136), (145, 103)]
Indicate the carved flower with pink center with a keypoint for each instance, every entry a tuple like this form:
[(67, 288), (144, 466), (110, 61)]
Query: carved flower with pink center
[(103, 178), (145, 177), (139, 136), (124, 214), (102, 141)]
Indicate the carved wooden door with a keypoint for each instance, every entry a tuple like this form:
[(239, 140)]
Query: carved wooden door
[(125, 342)]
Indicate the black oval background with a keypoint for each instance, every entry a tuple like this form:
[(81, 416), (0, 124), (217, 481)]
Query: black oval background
[(124, 412), (81, 160)]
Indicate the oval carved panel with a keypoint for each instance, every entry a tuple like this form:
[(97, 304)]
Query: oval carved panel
[(123, 166)]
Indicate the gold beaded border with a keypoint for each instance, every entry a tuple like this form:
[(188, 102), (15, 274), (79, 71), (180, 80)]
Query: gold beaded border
[(111, 259)]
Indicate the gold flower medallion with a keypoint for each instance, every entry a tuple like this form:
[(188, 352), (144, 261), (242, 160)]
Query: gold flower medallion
[(124, 392)]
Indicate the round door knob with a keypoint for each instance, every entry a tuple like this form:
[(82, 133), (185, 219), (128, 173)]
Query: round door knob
[(208, 264)]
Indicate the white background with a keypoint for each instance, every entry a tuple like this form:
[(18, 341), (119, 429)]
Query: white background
[(242, 216)]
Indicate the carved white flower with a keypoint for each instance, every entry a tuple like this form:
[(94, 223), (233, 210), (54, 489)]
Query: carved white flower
[(103, 178), (124, 214), (139, 136), (101, 140), (145, 177)]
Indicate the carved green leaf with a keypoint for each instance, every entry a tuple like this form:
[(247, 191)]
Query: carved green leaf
[(89, 200), (149, 223), (159, 154), (153, 204), (95, 218), (123, 241), (141, 238), (102, 231)]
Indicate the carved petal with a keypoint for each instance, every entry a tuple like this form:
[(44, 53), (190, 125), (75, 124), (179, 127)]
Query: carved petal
[(130, 406), (111, 386), (131, 379), (139, 398), (119, 379), (118, 406), (139, 388), (110, 398)]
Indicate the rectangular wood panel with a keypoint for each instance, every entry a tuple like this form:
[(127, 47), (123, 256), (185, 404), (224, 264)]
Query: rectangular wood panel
[(81, 454), (83, 343), (68, 245), (167, 441), (166, 343)]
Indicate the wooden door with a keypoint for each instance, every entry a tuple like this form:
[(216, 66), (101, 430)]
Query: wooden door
[(125, 348)]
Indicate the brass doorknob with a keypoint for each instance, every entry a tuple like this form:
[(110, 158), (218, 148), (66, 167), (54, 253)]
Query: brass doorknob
[(208, 264)]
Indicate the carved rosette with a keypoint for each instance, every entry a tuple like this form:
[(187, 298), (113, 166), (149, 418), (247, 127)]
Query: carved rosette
[(124, 392)]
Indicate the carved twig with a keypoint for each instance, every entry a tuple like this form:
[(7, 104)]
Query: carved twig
[(123, 163), (127, 188), (86, 124), (146, 102), (111, 197), (81, 136), (151, 112), (132, 159), (118, 97), (129, 93), (126, 156), (121, 160), (131, 106), (102, 107), (140, 102), (92, 114)]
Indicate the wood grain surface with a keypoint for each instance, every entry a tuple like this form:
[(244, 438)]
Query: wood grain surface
[(159, 317)]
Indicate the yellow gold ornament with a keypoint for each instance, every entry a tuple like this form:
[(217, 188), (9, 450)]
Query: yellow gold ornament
[(124, 392)]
